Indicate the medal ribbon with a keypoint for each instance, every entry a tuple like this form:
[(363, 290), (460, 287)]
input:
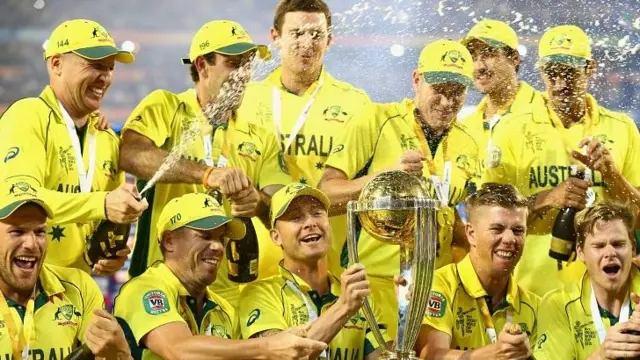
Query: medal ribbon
[(85, 176), (441, 186), (19, 339)]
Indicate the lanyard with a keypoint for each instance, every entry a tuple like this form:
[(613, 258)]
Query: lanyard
[(277, 114), (490, 329), (85, 177), (492, 123), (597, 319), (441, 186), (19, 339), (312, 312), (214, 150)]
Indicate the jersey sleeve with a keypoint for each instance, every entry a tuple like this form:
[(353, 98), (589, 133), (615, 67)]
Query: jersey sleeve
[(356, 145), (150, 118), (272, 170), (502, 162), (630, 168), (439, 314), (23, 143), (144, 307), (93, 299), (260, 309), (554, 339)]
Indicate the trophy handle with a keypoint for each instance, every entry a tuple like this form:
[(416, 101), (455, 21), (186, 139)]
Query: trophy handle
[(352, 249)]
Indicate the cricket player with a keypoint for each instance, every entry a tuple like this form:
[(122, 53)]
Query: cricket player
[(473, 302), (542, 150), (52, 139), (237, 158), (493, 45), (169, 312), (595, 317), (420, 137), (305, 290), (47, 311), (304, 106)]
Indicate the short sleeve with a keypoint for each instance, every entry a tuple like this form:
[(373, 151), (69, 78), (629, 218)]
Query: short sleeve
[(554, 337), (272, 171), (93, 299), (260, 309), (439, 314), (150, 118)]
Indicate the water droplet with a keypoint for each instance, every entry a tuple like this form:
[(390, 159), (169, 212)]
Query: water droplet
[(39, 4)]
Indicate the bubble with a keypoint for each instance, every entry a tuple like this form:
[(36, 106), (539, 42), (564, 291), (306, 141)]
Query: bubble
[(397, 50), (522, 50), (44, 44), (39, 4), (128, 45)]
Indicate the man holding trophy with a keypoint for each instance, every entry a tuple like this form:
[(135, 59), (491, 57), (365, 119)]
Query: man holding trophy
[(476, 310), (305, 290)]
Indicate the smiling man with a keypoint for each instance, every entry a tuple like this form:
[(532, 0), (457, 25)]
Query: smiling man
[(52, 139), (166, 311), (589, 319), (473, 302), (305, 290)]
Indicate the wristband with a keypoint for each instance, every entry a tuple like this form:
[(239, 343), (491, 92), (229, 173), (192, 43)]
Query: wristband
[(205, 177)]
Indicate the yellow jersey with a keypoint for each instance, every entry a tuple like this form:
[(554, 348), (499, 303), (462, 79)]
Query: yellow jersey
[(321, 112), (157, 298), (566, 328), (479, 126), (162, 117), (35, 143), (455, 303), (528, 149), (277, 303), (63, 311), (375, 143)]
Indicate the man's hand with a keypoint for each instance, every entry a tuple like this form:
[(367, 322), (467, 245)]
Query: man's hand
[(105, 337), (108, 267), (245, 203), (619, 343), (103, 122), (291, 344), (597, 157), (229, 181), (355, 288), (122, 205), (399, 281), (570, 193), (411, 162), (512, 344)]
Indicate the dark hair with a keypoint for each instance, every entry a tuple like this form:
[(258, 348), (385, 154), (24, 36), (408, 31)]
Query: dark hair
[(311, 6), (210, 58), (587, 219), (492, 194), (512, 54)]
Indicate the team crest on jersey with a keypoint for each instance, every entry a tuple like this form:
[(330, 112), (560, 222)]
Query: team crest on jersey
[(299, 314), (67, 315), (217, 331), (335, 113), (437, 304), (494, 157), (584, 334), (462, 162), (357, 322), (67, 159), (408, 142), (109, 168), (249, 150), (155, 302)]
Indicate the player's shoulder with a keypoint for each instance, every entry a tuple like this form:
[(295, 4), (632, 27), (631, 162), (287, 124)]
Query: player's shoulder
[(70, 278), (347, 88), (17, 110), (160, 97), (464, 134), (446, 279), (271, 284), (615, 116), (562, 297), (222, 303), (151, 280), (528, 298)]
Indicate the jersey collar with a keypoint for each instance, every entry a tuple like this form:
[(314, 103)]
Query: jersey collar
[(275, 79), (165, 273), (469, 279), (190, 99), (49, 97), (407, 109), (585, 289), (524, 96), (303, 286), (591, 116)]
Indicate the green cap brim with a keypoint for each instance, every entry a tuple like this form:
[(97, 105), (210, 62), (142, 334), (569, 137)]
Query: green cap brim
[(235, 228), (570, 60), (101, 52), (6, 211), (308, 191), (440, 77), (238, 49)]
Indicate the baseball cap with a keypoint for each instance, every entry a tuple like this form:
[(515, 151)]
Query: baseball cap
[(85, 38), (446, 61), (198, 211), (18, 192), (223, 37), (565, 44), (281, 200), (493, 33)]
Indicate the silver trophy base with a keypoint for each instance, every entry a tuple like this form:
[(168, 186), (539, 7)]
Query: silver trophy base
[(389, 355)]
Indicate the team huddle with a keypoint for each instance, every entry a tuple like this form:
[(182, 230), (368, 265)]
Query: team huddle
[(279, 160)]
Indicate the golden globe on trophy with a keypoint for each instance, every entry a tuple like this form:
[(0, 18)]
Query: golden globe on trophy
[(395, 208)]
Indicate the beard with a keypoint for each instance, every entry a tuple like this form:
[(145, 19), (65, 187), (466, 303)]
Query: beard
[(15, 284)]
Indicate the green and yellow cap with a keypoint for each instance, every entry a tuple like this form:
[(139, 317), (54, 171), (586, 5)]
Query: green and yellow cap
[(493, 33), (20, 191), (85, 38), (445, 61), (198, 211), (223, 37), (281, 200), (565, 44)]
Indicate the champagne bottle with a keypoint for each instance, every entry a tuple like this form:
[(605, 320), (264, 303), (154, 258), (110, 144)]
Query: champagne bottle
[(242, 256), (563, 240), (81, 353), (106, 241)]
